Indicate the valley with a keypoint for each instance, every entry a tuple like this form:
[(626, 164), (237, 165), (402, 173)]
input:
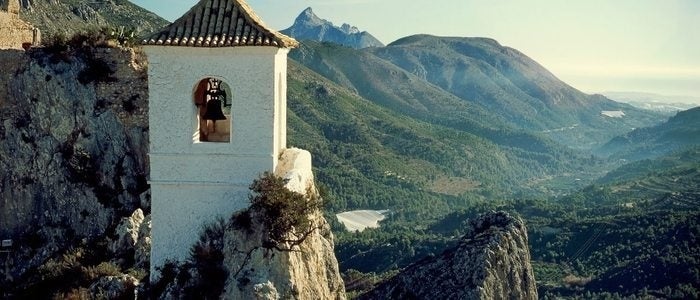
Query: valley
[(579, 204)]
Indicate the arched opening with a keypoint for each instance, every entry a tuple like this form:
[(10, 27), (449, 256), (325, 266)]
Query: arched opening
[(212, 98)]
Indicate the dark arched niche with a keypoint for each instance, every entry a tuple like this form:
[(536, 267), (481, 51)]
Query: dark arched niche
[(212, 99)]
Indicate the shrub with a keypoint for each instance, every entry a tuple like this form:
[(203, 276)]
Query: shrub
[(284, 213), (207, 257)]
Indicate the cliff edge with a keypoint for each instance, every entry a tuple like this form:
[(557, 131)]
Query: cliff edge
[(492, 261)]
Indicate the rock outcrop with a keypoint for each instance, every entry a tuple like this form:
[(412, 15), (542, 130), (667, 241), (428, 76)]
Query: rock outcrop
[(133, 235), (308, 26), (68, 17), (74, 135), (309, 271), (492, 261)]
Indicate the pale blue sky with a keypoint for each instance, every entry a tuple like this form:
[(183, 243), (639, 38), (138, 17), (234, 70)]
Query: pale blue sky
[(594, 45)]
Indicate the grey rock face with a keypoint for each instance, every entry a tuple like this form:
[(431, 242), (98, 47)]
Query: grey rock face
[(71, 16), (114, 287), (133, 235), (255, 272), (308, 26), (74, 135), (492, 261)]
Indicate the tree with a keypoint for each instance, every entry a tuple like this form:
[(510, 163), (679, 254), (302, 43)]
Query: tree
[(284, 213)]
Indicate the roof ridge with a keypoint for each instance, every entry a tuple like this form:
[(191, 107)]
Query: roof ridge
[(220, 23)]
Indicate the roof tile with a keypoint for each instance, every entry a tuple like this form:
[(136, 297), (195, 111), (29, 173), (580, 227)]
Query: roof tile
[(220, 23)]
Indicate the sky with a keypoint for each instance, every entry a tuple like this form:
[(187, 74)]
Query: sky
[(596, 46)]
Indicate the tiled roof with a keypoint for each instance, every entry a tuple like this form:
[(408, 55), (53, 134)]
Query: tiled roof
[(220, 23)]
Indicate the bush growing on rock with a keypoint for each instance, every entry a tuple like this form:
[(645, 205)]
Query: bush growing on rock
[(283, 213)]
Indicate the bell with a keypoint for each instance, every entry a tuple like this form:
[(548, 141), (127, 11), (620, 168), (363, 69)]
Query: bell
[(214, 112)]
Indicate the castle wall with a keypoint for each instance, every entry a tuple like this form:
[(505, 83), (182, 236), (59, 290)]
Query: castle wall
[(194, 183), (14, 32)]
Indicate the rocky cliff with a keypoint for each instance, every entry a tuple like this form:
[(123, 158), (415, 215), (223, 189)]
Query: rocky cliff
[(492, 261), (70, 16), (74, 138)]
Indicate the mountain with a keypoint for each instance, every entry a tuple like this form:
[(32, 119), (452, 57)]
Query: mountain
[(371, 157), (463, 81), (679, 132), (70, 16), (510, 84), (655, 102), (393, 88), (308, 26)]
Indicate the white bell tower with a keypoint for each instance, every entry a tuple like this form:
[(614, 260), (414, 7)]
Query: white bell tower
[(217, 116)]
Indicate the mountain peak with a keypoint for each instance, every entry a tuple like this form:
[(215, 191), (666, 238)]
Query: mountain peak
[(308, 26), (307, 12), (308, 17)]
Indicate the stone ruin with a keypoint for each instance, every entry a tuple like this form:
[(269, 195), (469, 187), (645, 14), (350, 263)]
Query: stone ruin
[(15, 33)]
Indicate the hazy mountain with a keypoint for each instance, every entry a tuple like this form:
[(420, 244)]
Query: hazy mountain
[(655, 102), (70, 16), (308, 26), (680, 131), (510, 84)]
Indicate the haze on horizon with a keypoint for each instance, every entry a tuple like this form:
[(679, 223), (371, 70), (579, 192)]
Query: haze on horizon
[(593, 45)]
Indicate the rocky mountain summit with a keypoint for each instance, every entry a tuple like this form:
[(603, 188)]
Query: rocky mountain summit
[(491, 261), (308, 26)]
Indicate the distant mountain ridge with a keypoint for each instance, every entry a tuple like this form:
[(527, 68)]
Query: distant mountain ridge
[(509, 83), (308, 26), (71, 16), (473, 84)]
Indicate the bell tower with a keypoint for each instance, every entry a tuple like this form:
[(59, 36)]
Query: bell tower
[(217, 116)]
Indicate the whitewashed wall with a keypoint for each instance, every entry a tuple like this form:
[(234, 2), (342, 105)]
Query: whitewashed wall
[(194, 183)]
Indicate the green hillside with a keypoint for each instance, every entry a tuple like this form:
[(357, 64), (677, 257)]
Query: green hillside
[(635, 235), (370, 157), (404, 93), (510, 84), (679, 132)]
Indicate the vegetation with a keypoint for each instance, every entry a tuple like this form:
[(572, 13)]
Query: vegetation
[(375, 148), (284, 214), (369, 157), (635, 236), (678, 133), (82, 46), (203, 275), (71, 274)]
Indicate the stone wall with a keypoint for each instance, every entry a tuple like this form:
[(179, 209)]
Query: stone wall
[(13, 31)]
